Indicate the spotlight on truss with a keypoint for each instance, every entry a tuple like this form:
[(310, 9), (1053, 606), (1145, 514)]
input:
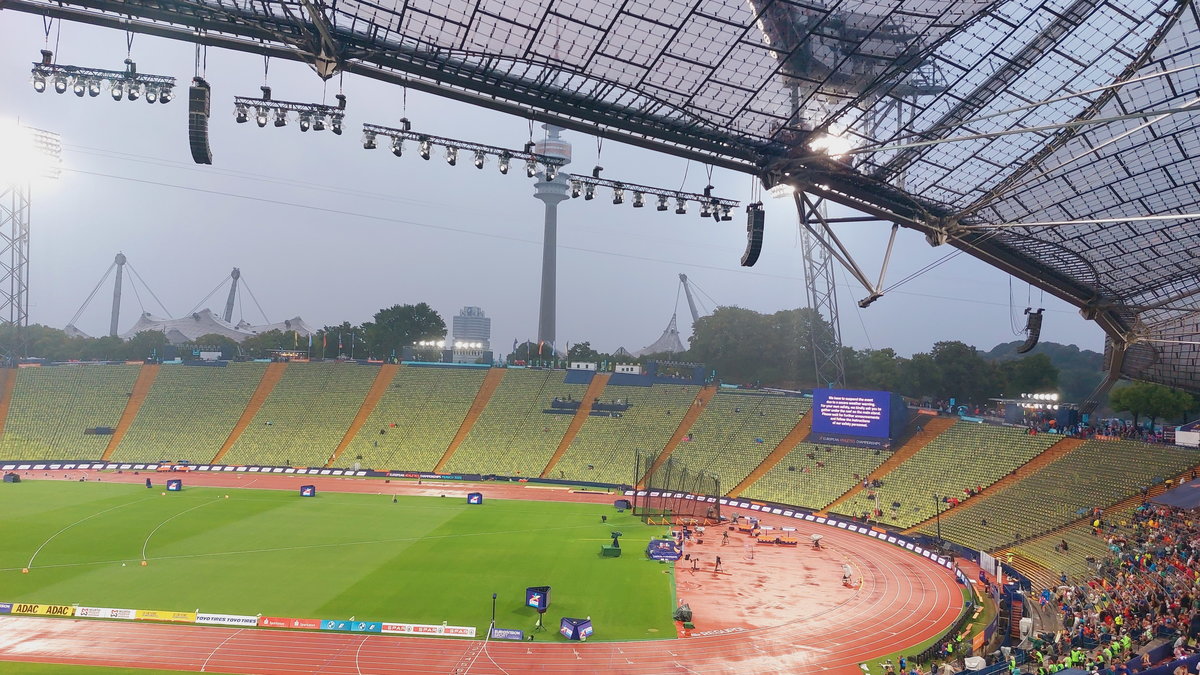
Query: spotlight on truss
[(312, 116), (479, 152), (82, 80)]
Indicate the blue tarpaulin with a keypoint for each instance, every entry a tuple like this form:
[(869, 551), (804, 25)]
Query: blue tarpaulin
[(1186, 496)]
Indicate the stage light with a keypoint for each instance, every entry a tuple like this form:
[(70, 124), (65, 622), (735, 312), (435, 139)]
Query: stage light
[(166, 95), (618, 195), (480, 158), (530, 168), (39, 81), (369, 140), (639, 200), (505, 158), (576, 187), (318, 122), (133, 90), (60, 84), (335, 123), (117, 91), (397, 146), (680, 206), (241, 114), (281, 119), (662, 203), (79, 87), (424, 148), (726, 213), (151, 94), (260, 116), (704, 210), (551, 173), (589, 192), (451, 155), (93, 87), (305, 121)]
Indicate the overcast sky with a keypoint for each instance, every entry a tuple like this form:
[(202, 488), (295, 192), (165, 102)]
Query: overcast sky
[(323, 229)]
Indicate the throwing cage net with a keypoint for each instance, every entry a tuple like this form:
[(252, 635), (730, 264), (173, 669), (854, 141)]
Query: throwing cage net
[(670, 492)]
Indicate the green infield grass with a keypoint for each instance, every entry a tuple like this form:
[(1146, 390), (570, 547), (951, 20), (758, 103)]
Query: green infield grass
[(418, 560)]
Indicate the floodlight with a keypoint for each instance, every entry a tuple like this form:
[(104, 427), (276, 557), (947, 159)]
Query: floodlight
[(133, 90), (94, 88), (241, 114), (704, 210), (151, 94), (166, 95), (551, 173), (589, 192), (318, 122), (639, 200), (424, 147), (39, 81), (117, 91), (828, 144), (368, 140), (335, 124), (505, 158), (451, 155), (260, 116), (60, 84), (662, 203), (618, 195), (680, 206), (79, 86), (480, 158), (576, 187), (305, 121), (397, 146), (530, 168), (280, 118), (725, 213)]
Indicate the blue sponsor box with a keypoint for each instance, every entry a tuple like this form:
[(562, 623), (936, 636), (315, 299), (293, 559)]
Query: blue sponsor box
[(5, 608), (508, 634), (330, 624), (366, 626)]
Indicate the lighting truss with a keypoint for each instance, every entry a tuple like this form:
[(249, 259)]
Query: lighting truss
[(717, 207), (479, 152), (315, 116), (82, 81)]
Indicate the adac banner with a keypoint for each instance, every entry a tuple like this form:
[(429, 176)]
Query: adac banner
[(43, 610), (158, 615), (285, 622), (227, 619), (425, 629), (353, 626), (105, 613)]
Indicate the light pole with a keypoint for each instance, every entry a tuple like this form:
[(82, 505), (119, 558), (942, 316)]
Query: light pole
[(493, 614), (937, 506)]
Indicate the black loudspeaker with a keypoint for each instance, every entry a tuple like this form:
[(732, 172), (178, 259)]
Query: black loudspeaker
[(755, 219), (1033, 329), (198, 99)]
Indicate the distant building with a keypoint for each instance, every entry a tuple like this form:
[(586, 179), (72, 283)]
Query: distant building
[(472, 335)]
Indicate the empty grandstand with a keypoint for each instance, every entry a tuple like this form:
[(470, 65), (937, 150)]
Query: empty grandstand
[(966, 456), (641, 418), (305, 417), (189, 412), (814, 475), (736, 431), (66, 411), (415, 420), (516, 435), (1097, 474)]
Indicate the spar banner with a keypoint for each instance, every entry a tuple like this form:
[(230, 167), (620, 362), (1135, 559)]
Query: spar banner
[(352, 626), (158, 615), (105, 613), (227, 619), (425, 629), (285, 622), (43, 610)]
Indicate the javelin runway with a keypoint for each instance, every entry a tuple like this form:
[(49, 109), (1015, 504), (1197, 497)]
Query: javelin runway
[(780, 618)]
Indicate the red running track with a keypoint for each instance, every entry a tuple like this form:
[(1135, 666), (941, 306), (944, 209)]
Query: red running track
[(903, 599)]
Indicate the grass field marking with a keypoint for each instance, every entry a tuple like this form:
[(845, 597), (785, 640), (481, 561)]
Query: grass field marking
[(218, 648), (156, 527), (81, 520), (290, 548)]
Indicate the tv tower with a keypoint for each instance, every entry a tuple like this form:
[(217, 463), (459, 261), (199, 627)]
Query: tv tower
[(551, 192)]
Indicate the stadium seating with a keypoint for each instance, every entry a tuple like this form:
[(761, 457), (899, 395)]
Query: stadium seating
[(513, 436), (966, 455), (189, 412), (736, 432), (306, 415), (1097, 474), (416, 419), (797, 479), (52, 406), (1046, 552), (605, 447)]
